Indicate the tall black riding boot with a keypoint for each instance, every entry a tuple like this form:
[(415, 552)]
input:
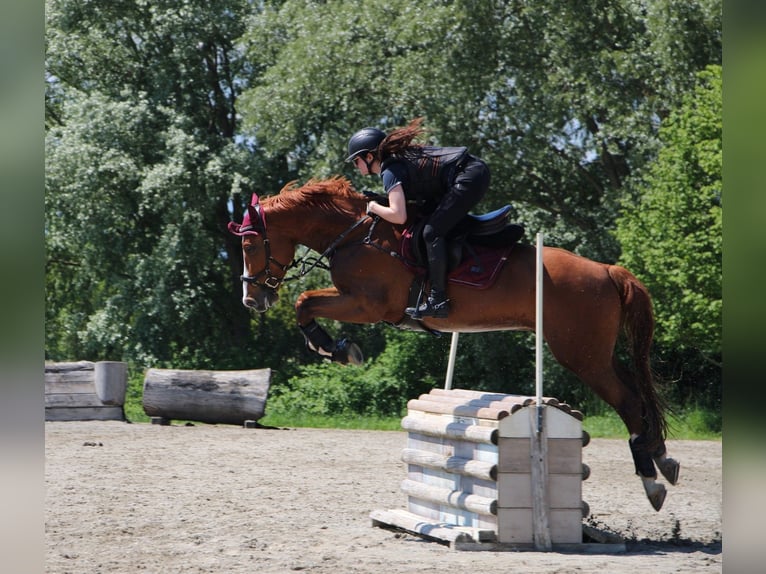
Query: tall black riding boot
[(436, 304)]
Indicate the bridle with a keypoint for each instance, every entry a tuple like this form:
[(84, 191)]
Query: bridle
[(307, 262), (272, 282)]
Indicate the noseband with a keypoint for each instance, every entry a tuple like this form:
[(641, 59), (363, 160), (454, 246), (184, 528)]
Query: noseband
[(271, 281)]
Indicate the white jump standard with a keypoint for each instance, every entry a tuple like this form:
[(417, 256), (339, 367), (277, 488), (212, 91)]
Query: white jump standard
[(470, 473)]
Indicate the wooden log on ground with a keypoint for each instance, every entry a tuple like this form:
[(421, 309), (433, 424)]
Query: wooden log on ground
[(215, 397)]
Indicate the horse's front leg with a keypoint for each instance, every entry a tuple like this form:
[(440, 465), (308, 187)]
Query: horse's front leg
[(331, 304)]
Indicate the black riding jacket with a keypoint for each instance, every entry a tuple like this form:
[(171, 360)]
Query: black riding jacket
[(425, 173)]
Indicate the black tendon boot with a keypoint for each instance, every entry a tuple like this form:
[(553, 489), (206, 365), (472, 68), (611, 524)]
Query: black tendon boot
[(436, 304)]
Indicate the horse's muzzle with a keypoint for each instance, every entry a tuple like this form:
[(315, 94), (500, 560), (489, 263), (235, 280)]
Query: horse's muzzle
[(260, 303)]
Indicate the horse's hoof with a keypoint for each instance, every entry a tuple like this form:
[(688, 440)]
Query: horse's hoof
[(355, 355), (348, 353), (656, 494), (669, 467)]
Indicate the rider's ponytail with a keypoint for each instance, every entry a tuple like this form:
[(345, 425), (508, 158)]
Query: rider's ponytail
[(400, 139)]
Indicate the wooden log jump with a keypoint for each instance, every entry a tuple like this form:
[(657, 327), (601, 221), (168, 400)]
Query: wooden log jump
[(470, 475), (83, 391), (215, 397)]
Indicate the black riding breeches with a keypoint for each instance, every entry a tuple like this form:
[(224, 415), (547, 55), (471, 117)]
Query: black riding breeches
[(468, 187)]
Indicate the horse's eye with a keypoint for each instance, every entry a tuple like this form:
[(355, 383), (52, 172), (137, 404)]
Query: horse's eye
[(249, 248)]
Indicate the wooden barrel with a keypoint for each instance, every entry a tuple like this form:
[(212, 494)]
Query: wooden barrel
[(215, 397)]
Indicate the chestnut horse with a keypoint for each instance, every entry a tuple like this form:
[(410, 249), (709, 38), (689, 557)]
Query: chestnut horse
[(587, 304)]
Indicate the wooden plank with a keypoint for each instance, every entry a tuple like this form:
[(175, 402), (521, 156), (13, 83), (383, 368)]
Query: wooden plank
[(434, 530), (63, 367), (565, 456), (566, 526), (514, 490), (73, 400), (70, 387), (477, 539), (84, 414), (560, 423), (487, 396), (454, 498), (540, 499), (515, 526), (513, 455), (64, 378)]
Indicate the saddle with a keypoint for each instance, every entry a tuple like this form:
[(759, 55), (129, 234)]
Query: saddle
[(477, 247)]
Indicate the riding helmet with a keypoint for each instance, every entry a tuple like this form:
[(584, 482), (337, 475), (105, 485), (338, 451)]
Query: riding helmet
[(363, 141)]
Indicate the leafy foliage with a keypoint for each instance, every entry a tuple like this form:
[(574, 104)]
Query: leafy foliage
[(672, 238), (140, 167)]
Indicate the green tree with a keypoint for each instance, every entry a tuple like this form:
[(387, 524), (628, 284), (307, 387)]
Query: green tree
[(672, 239), (141, 169)]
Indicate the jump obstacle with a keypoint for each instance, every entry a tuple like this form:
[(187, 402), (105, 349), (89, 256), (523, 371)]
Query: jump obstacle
[(471, 472), (84, 391), (214, 397)]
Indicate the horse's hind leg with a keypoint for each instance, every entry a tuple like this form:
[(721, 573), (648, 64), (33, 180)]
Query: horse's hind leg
[(655, 491), (605, 382), (669, 467)]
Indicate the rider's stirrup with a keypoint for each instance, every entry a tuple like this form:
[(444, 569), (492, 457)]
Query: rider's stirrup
[(433, 306)]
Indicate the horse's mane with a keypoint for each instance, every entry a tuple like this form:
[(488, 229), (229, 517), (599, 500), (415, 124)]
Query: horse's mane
[(326, 194)]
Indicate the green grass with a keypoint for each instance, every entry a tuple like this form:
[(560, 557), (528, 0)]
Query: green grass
[(336, 422), (690, 424)]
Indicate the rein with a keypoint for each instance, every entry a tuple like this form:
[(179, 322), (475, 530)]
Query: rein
[(326, 254)]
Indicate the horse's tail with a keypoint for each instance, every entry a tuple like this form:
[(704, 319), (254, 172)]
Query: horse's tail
[(638, 326)]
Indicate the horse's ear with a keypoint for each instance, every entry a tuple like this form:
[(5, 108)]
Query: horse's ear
[(253, 222), (255, 217)]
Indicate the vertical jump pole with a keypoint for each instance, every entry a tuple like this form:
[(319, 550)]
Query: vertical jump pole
[(539, 441), (451, 362), (539, 331)]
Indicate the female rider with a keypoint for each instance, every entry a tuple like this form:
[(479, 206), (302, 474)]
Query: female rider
[(445, 182)]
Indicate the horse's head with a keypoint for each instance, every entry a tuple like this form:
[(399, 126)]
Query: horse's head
[(266, 258)]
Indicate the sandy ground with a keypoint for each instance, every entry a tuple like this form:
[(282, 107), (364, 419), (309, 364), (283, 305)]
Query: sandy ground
[(127, 498)]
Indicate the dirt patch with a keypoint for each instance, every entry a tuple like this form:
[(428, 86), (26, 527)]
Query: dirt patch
[(222, 499)]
